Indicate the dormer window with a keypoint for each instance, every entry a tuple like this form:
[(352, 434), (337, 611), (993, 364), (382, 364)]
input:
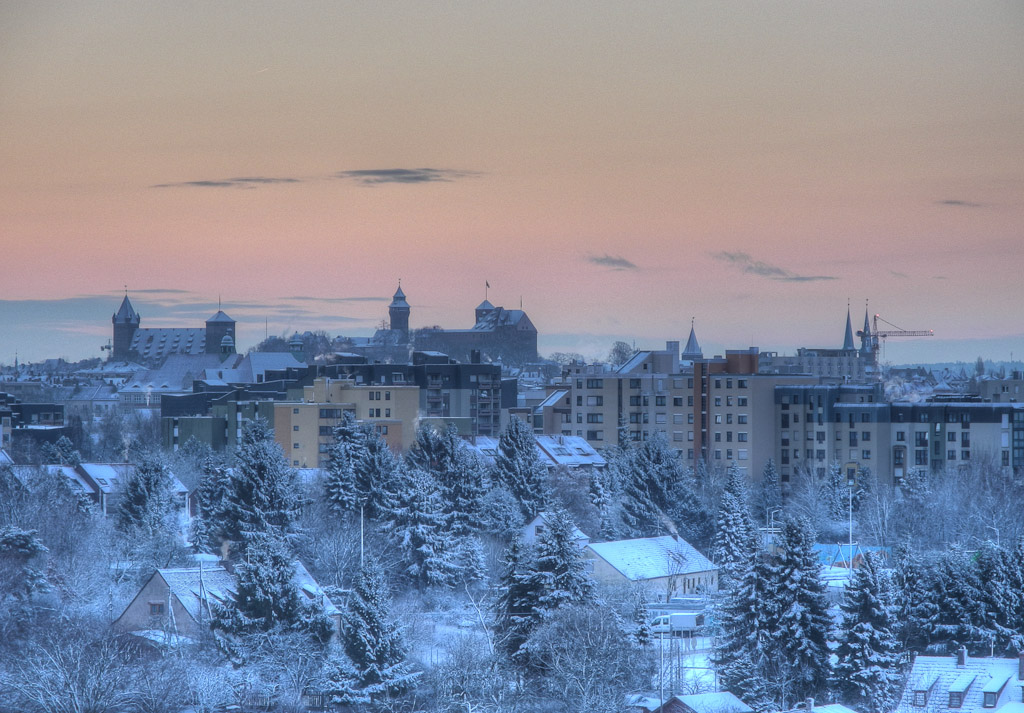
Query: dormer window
[(956, 699), (990, 699), (920, 698)]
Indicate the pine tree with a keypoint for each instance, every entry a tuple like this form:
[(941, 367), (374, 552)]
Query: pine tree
[(798, 611), (372, 640), (559, 575), (736, 536), (341, 486), (267, 597), (378, 474), (518, 467), (460, 476), (419, 529), (868, 669), (771, 488), (642, 634), (516, 603), (834, 492), (207, 531), (147, 499), (961, 615), (262, 494), (746, 639), (916, 600)]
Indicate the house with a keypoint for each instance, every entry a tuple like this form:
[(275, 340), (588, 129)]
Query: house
[(720, 702), (177, 602), (667, 566), (945, 683), (536, 526)]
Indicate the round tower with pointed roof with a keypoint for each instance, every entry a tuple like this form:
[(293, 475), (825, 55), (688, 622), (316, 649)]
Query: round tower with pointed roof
[(398, 312), (126, 320)]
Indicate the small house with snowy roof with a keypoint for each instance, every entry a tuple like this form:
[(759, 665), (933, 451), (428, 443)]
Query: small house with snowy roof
[(939, 684), (177, 603), (535, 528), (667, 566), (718, 702)]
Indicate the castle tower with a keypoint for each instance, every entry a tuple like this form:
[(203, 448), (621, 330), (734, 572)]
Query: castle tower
[(483, 309), (217, 327), (398, 313), (125, 322)]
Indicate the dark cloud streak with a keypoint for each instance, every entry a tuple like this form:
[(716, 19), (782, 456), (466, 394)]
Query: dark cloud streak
[(374, 176), (751, 266), (960, 203), (241, 182), (615, 262)]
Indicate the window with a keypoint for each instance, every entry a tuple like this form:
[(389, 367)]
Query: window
[(295, 428), (741, 436), (820, 454), (901, 435), (295, 410), (728, 418), (718, 455), (951, 454), (677, 418), (659, 418), (387, 395), (921, 456), (659, 400), (326, 430), (718, 401), (741, 383), (634, 400), (965, 439), (920, 698), (689, 437), (865, 455), (951, 436), (865, 436), (596, 383), (718, 436), (156, 608), (689, 401), (990, 699), (741, 418), (387, 413), (718, 383), (634, 383), (785, 420), (595, 401), (689, 418), (853, 438), (595, 435), (741, 400), (728, 453), (677, 401), (741, 454), (718, 418), (579, 417), (956, 699), (595, 418), (295, 445), (728, 436), (921, 439), (965, 455)]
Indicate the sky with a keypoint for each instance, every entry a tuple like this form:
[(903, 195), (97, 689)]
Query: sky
[(618, 168)]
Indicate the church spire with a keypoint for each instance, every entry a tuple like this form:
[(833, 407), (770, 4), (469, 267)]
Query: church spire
[(692, 348), (865, 336), (848, 339)]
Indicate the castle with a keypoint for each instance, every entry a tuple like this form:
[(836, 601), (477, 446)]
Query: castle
[(153, 345)]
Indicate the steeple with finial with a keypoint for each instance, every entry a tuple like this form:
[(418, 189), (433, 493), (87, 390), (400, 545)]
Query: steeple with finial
[(848, 345), (692, 349), (126, 320), (866, 341), (398, 312)]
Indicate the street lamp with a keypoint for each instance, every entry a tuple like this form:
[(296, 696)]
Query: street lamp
[(851, 482)]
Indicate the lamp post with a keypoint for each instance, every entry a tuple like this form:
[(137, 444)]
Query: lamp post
[(850, 483)]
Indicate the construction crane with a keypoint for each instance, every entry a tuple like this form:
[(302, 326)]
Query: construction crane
[(883, 334)]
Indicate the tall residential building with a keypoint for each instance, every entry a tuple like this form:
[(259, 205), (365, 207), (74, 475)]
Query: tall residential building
[(305, 429)]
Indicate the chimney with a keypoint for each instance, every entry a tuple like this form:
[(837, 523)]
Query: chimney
[(961, 657), (809, 704)]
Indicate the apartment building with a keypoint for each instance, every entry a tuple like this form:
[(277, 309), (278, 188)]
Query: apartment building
[(305, 429), (816, 425)]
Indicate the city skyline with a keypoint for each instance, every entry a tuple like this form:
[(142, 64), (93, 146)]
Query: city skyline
[(620, 168)]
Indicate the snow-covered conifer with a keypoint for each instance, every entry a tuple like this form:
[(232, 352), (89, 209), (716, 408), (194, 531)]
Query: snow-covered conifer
[(340, 483), (518, 467), (867, 673), (262, 494), (736, 536), (371, 638), (419, 528), (147, 499)]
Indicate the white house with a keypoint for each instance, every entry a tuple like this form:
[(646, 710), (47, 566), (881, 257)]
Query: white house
[(667, 566)]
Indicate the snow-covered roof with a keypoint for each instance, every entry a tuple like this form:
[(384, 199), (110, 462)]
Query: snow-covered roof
[(652, 557), (720, 702), (153, 343), (570, 451), (940, 675), (530, 530), (634, 362), (196, 587), (553, 398)]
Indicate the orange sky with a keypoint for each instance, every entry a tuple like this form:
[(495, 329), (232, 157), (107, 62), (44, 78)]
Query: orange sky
[(622, 167)]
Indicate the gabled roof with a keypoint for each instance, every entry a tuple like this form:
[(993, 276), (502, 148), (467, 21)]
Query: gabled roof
[(158, 343), (652, 557), (721, 702), (939, 675), (570, 451)]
